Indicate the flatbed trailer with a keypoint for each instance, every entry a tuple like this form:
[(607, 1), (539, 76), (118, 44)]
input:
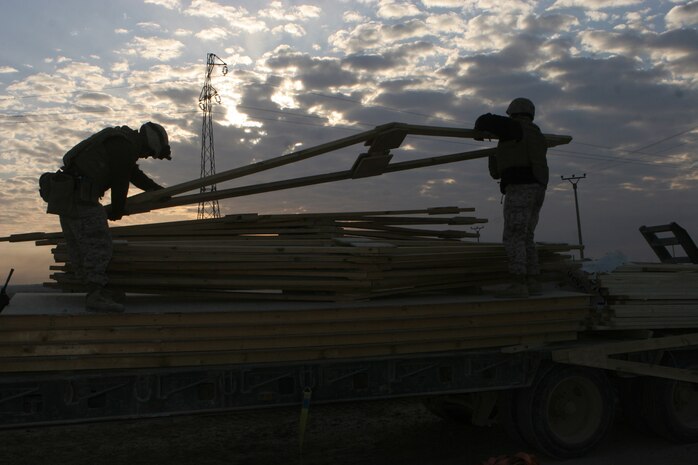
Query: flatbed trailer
[(539, 365)]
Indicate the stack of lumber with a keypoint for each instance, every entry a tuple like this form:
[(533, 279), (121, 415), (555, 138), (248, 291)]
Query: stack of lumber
[(324, 256), (650, 296), (159, 331)]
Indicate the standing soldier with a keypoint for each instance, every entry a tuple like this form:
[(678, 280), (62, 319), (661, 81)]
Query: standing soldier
[(106, 160), (521, 166)]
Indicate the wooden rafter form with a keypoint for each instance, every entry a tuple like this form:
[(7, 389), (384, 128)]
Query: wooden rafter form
[(376, 161)]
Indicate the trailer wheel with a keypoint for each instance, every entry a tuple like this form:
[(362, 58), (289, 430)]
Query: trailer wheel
[(672, 406), (566, 411)]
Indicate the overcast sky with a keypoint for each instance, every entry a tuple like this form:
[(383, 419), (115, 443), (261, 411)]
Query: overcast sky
[(620, 76)]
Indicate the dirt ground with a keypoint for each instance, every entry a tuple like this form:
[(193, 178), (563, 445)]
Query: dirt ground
[(379, 432)]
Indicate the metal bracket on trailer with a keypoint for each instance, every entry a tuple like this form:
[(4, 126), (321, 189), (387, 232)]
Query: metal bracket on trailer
[(598, 356)]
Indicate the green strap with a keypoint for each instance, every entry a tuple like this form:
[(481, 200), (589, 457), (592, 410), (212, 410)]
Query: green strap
[(307, 392)]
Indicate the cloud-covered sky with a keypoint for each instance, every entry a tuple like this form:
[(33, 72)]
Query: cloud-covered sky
[(620, 76)]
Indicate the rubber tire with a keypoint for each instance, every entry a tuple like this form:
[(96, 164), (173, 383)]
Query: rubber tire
[(534, 409), (659, 403), (507, 415)]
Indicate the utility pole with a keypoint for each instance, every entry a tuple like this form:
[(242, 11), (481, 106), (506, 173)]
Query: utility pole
[(477, 231), (209, 209), (574, 180)]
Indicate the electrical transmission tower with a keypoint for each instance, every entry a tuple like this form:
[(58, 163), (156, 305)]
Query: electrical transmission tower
[(209, 209)]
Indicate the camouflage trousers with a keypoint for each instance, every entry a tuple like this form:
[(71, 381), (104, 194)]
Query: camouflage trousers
[(522, 205), (89, 242)]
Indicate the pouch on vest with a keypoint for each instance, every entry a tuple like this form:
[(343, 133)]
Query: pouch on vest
[(61, 193), (86, 190), (45, 185)]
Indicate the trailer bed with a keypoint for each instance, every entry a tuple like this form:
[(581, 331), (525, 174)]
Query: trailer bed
[(52, 332)]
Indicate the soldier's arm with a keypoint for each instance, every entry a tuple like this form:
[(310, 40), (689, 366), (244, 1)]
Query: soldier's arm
[(122, 159), (501, 126), (142, 181)]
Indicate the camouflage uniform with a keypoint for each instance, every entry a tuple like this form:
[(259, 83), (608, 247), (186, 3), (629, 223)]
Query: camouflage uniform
[(106, 160), (89, 242), (521, 166), (522, 206)]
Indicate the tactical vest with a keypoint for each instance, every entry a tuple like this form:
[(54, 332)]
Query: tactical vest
[(90, 159), (530, 152)]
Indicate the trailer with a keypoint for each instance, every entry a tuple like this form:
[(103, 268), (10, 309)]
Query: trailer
[(543, 366)]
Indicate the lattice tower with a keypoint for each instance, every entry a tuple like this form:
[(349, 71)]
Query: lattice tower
[(209, 95)]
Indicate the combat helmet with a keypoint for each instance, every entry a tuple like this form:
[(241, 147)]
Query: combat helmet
[(521, 105), (156, 139)]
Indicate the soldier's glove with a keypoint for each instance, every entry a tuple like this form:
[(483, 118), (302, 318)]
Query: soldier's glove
[(113, 216)]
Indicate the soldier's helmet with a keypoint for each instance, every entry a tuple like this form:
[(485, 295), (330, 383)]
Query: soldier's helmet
[(157, 139), (521, 105)]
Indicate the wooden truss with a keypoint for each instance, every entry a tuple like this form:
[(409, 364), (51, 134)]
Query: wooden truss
[(375, 161)]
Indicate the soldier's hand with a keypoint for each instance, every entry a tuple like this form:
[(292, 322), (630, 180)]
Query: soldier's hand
[(111, 215)]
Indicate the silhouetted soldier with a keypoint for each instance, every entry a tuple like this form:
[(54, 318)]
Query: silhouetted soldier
[(521, 166), (106, 160)]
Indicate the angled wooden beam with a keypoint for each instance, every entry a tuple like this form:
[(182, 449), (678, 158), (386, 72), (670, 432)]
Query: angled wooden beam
[(302, 181), (246, 170), (380, 138)]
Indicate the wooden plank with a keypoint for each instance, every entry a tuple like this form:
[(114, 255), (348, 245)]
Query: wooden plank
[(246, 170), (296, 182), (247, 343), (201, 332), (200, 359), (231, 314)]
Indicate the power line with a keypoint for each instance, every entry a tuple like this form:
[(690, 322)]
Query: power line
[(604, 159), (69, 92), (645, 147)]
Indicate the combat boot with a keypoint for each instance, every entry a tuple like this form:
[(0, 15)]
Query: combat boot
[(116, 294), (516, 290), (99, 300), (534, 286)]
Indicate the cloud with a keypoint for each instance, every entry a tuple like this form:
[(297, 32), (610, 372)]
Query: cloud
[(675, 50), (46, 87), (7, 70), (279, 12), (683, 15), (390, 9), (353, 17), (373, 35), (502, 7), (234, 17), (442, 3), (595, 4), (548, 25), (291, 29), (314, 72), (149, 26), (446, 23), (212, 34), (169, 4), (155, 48), (431, 187)]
